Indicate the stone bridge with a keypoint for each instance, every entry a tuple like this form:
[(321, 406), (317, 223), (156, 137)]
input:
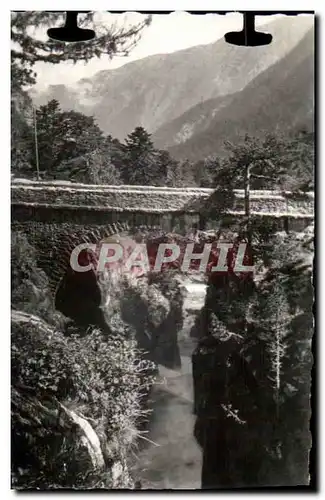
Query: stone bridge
[(57, 216), (173, 209)]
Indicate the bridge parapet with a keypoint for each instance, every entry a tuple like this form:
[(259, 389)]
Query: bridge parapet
[(152, 200)]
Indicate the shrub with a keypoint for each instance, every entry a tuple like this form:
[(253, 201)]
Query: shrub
[(101, 379)]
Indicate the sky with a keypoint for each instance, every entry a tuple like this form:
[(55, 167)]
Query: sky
[(167, 33)]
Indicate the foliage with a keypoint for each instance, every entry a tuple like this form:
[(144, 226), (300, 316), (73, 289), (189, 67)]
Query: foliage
[(63, 136), (184, 175), (275, 163), (273, 318), (206, 171), (300, 172), (139, 157), (71, 146), (102, 169), (282, 321), (22, 146), (142, 164), (29, 284), (30, 48), (101, 377)]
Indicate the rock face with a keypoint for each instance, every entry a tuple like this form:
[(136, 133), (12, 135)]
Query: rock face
[(151, 307), (252, 374), (65, 401), (59, 430), (225, 427)]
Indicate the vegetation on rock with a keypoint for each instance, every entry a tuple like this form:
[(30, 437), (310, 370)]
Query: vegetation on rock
[(260, 330), (58, 372)]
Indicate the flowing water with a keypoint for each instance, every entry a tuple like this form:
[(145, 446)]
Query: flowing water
[(172, 459)]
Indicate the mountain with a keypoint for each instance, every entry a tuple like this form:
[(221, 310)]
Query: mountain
[(280, 98), (157, 89), (190, 123)]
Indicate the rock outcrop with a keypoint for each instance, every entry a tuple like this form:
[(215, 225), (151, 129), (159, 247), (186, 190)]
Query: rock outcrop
[(252, 373)]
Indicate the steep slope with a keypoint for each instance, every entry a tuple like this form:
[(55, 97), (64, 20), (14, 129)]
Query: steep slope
[(157, 89), (190, 123), (281, 98)]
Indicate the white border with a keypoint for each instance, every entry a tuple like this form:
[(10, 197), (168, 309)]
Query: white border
[(131, 5), (128, 5)]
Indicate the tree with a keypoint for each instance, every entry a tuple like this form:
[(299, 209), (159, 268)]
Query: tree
[(63, 136), (140, 158), (300, 172), (102, 170), (258, 160), (28, 49), (181, 174), (166, 165), (50, 136), (22, 139), (264, 164), (205, 172), (71, 146), (280, 333), (272, 323), (138, 142), (95, 167)]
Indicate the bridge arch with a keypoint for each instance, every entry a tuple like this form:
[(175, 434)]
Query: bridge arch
[(58, 216)]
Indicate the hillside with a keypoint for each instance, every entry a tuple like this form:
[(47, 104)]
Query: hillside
[(192, 122), (157, 89), (281, 98)]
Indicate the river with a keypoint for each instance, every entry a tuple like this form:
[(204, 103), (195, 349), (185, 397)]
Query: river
[(172, 459)]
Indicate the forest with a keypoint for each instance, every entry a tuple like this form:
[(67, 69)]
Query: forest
[(71, 146)]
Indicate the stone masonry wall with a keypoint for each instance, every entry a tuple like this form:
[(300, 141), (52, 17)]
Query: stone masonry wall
[(151, 200)]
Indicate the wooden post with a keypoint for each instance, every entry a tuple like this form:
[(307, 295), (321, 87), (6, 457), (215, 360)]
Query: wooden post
[(36, 144)]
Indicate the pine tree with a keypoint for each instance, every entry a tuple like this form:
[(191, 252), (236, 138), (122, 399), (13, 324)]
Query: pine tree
[(28, 49), (140, 157), (280, 332)]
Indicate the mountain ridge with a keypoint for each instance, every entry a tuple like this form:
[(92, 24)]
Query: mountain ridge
[(286, 89), (157, 89)]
